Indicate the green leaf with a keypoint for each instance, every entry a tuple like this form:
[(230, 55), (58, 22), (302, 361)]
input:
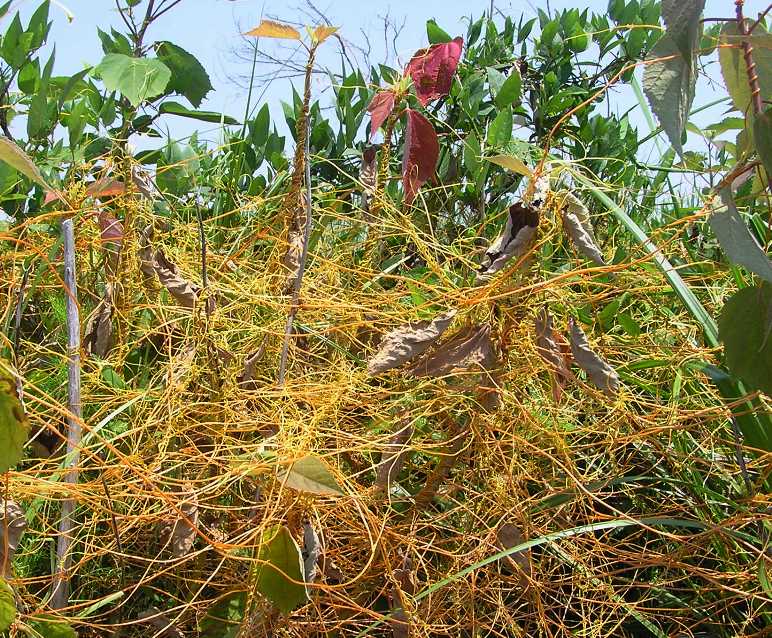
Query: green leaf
[(7, 606), (496, 80), (762, 139), (309, 474), (472, 153), (281, 563), (629, 325), (177, 166), (682, 19), (669, 86), (13, 155), (260, 127), (500, 131), (174, 108), (509, 91), (734, 70), (115, 43), (12, 51), (435, 33), (189, 78), (14, 427), (137, 79), (223, 619), (744, 326), (52, 628), (737, 241)]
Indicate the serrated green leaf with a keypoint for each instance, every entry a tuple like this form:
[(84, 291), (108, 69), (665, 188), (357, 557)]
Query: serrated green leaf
[(669, 81), (310, 474), (7, 606), (682, 19), (279, 574), (737, 241), (733, 67), (745, 328), (18, 159), (14, 427), (174, 108), (762, 139), (189, 78), (137, 79)]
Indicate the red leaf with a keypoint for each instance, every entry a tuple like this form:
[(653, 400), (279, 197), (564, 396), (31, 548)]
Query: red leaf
[(111, 229), (52, 196), (380, 108), (421, 152), (106, 187), (432, 69)]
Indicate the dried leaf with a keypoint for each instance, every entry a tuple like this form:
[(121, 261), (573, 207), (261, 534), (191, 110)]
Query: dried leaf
[(247, 377), (421, 153), (161, 624), (489, 391), (598, 371), (185, 292), (551, 352), (271, 29), (380, 108), (144, 183), (106, 187), (509, 536), (470, 348), (576, 222), (292, 257), (408, 341), (310, 474), (321, 33), (99, 328), (405, 583), (183, 530), (514, 242), (432, 69), (511, 163), (12, 526), (393, 458), (369, 170), (312, 549), (111, 229), (11, 154)]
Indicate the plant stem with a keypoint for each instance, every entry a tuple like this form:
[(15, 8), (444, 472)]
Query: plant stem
[(60, 591), (750, 65)]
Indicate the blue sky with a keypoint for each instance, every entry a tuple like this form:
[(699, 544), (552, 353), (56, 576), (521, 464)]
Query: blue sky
[(210, 30)]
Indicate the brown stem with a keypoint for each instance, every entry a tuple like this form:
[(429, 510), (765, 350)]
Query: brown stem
[(750, 65)]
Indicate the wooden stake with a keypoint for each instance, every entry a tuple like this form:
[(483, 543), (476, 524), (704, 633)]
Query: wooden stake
[(60, 593)]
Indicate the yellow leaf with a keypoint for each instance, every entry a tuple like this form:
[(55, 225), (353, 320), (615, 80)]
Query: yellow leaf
[(322, 33), (511, 164), (18, 159), (271, 29)]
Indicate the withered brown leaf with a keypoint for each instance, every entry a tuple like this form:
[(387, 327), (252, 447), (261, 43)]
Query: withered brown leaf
[(393, 458), (470, 348), (98, 339), (402, 344), (598, 370), (576, 222), (12, 526), (513, 242), (549, 350), (508, 536)]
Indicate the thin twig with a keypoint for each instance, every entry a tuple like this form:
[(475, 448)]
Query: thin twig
[(61, 586)]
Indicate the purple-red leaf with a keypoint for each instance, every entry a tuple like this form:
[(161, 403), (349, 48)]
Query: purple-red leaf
[(432, 69), (379, 109), (421, 152), (110, 228)]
